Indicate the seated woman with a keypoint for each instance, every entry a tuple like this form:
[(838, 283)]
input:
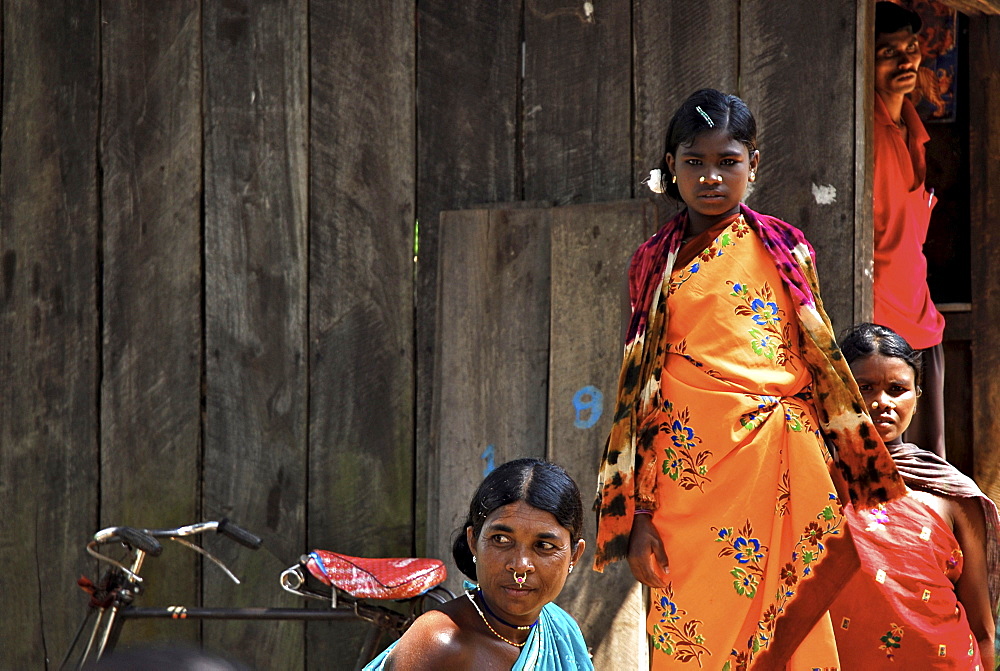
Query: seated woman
[(928, 585), (520, 541)]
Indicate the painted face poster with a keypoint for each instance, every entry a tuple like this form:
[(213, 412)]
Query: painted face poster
[(937, 77)]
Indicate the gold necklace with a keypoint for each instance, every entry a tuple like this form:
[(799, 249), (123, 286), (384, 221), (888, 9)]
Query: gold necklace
[(487, 623)]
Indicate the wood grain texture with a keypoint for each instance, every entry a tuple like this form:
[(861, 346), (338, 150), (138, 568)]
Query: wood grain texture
[(49, 343), (984, 187), (864, 152), (679, 48), (802, 93), (591, 247), (959, 394), (577, 117), (468, 93), (361, 289), (256, 164), (151, 143), (492, 358)]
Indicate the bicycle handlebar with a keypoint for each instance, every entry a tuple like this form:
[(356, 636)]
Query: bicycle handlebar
[(223, 526), (137, 538), (239, 534)]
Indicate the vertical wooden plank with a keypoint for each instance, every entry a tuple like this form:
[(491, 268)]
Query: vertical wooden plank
[(577, 110), (679, 48), (256, 113), (361, 289), (864, 152), (591, 248), (959, 394), (49, 348), (151, 385), (468, 95), (492, 357), (802, 92), (984, 156)]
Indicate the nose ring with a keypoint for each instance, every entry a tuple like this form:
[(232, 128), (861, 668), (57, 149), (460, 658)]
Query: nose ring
[(701, 180), (874, 405), (519, 579)]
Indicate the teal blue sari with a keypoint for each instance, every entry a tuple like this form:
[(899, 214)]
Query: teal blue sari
[(555, 644)]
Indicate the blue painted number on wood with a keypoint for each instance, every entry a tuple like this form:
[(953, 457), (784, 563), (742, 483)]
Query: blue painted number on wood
[(488, 457), (589, 404)]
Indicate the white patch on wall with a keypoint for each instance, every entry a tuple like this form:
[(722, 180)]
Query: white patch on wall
[(825, 194)]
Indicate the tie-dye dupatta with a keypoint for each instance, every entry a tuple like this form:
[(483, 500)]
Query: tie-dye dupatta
[(624, 482)]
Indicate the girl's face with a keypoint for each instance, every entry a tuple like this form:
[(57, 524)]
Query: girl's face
[(890, 392), (712, 173), (519, 538)]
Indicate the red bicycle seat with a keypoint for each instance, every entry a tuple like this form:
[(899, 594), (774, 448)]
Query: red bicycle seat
[(376, 578)]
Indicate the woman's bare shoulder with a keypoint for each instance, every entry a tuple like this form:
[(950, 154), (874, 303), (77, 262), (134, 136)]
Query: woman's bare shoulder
[(434, 642)]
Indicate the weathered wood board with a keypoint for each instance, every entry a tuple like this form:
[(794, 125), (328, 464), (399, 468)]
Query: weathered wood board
[(492, 358), (667, 67), (807, 177), (256, 172), (984, 142), (468, 124), (577, 112), (591, 248), (361, 387), (151, 139), (49, 342)]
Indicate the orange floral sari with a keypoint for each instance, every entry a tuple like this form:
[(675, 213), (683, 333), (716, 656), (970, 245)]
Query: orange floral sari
[(746, 503), (731, 371)]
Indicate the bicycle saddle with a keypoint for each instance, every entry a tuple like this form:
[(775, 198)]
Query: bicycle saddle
[(375, 578)]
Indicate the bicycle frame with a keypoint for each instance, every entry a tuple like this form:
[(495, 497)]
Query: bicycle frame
[(113, 596)]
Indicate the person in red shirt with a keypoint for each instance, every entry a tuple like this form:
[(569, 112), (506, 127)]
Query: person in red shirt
[(903, 208)]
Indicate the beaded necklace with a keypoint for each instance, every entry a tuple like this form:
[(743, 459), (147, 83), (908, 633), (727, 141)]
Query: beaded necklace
[(490, 626), (486, 605)]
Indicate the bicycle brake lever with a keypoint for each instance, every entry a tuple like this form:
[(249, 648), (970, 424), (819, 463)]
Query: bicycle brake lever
[(114, 562), (202, 551)]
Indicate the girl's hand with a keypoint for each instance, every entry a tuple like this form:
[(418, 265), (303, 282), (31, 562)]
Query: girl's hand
[(646, 556)]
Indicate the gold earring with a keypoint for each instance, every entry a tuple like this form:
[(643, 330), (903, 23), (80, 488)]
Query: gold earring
[(753, 175), (674, 180)]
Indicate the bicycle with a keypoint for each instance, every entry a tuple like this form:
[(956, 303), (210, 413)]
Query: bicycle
[(348, 584)]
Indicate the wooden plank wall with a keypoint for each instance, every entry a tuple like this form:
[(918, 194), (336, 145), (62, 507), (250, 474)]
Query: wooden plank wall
[(492, 375), (362, 180), (591, 246), (256, 384), (49, 328), (984, 171), (151, 135), (209, 303)]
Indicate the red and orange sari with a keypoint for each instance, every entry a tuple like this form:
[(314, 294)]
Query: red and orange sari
[(718, 432)]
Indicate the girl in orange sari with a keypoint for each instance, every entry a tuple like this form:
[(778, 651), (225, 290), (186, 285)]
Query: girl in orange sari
[(715, 483)]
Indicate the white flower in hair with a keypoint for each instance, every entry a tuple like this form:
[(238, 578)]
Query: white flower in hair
[(655, 181)]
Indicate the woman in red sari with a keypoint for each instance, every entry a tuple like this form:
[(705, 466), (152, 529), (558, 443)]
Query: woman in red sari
[(715, 482), (930, 562)]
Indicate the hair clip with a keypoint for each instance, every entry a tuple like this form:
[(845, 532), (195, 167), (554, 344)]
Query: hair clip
[(654, 181), (708, 119)]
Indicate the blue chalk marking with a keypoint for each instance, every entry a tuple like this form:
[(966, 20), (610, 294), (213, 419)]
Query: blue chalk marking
[(588, 398), (488, 457)]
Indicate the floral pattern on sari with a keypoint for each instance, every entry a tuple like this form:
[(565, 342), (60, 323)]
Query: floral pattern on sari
[(683, 462), (714, 250), (672, 635), (749, 554), (680, 349), (808, 550), (892, 640), (796, 419), (771, 332)]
